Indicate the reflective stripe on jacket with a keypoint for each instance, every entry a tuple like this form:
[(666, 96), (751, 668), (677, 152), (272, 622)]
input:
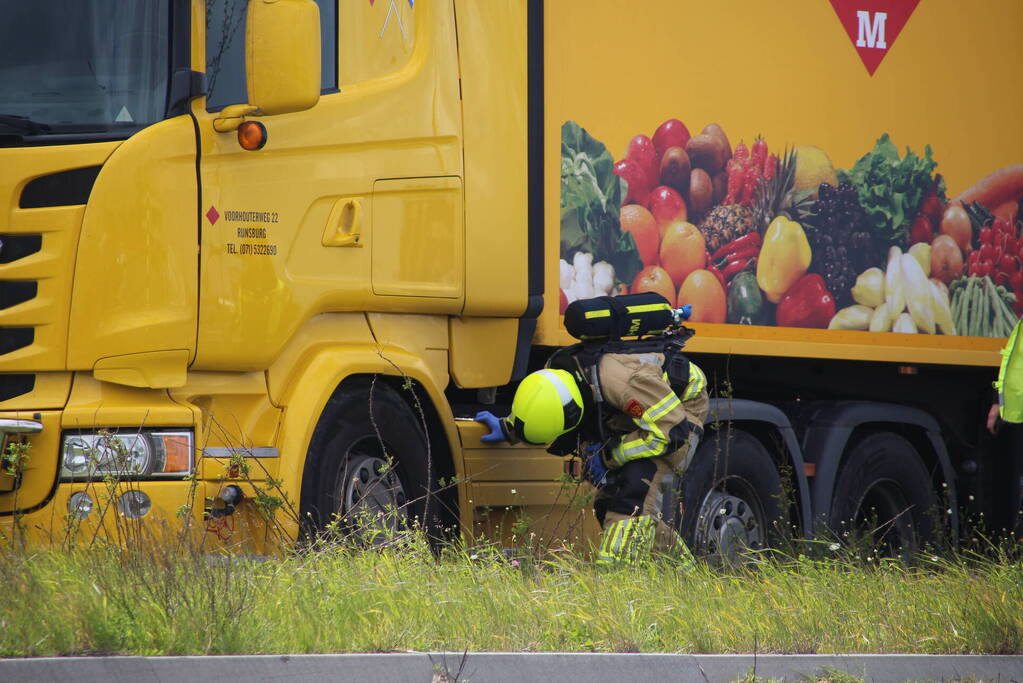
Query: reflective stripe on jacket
[(636, 385)]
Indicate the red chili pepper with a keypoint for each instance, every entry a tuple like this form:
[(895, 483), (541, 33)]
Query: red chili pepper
[(752, 238), (741, 153), (741, 254), (759, 153), (770, 166), (717, 273), (735, 176), (749, 185), (735, 267), (808, 303)]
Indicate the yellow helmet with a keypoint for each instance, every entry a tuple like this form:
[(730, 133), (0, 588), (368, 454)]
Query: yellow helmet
[(546, 405)]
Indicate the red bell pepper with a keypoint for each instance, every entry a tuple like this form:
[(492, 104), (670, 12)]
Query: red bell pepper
[(808, 303)]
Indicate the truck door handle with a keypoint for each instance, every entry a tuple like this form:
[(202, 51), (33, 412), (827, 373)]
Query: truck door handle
[(344, 224)]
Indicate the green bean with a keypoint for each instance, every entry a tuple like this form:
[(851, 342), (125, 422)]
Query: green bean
[(1000, 311), (980, 317), (992, 303), (972, 301), (957, 305)]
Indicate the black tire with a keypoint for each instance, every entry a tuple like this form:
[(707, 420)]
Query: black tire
[(731, 497), (367, 468), (884, 495)]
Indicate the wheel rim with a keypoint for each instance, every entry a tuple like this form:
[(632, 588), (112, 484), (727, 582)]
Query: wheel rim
[(730, 521), (373, 499), (883, 516)]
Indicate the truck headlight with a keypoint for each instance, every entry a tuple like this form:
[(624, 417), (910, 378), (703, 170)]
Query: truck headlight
[(139, 454)]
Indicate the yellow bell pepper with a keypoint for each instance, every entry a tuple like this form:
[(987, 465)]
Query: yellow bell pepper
[(784, 257)]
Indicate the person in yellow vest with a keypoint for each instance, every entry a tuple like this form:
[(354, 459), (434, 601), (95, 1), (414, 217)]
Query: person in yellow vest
[(1005, 420), (648, 434), (1009, 404)]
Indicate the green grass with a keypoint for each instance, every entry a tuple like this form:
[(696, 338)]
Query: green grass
[(155, 601)]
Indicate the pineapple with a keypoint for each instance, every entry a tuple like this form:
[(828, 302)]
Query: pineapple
[(777, 196), (725, 223)]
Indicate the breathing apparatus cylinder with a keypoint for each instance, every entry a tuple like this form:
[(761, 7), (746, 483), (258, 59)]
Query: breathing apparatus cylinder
[(614, 317)]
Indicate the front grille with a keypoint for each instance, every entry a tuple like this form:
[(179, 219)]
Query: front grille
[(64, 188), (14, 293), (14, 338), (14, 247), (50, 187), (12, 386)]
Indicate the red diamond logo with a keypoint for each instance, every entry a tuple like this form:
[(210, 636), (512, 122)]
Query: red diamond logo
[(873, 26), (212, 215)]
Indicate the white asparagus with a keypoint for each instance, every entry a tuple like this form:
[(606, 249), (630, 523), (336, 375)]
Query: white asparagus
[(893, 294), (904, 323), (881, 320), (917, 293), (942, 308)]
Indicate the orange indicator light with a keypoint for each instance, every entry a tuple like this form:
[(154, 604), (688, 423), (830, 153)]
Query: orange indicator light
[(252, 135)]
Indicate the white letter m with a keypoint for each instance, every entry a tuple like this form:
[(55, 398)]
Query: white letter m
[(871, 33)]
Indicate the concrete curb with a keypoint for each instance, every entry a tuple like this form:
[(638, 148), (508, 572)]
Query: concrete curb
[(487, 667)]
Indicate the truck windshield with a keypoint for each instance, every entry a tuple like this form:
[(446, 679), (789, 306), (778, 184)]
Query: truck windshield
[(82, 66)]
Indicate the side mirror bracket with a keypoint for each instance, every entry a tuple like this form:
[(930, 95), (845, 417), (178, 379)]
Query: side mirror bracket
[(233, 116)]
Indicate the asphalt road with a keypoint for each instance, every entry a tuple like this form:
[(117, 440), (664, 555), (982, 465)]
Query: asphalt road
[(518, 667)]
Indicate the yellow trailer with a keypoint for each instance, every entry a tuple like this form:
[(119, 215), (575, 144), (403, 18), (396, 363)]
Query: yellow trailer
[(265, 259)]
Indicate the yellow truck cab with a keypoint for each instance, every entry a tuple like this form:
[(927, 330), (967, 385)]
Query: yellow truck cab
[(181, 292), (263, 260)]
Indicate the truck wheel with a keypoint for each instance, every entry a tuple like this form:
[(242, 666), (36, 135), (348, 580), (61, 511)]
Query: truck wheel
[(884, 494), (731, 497), (367, 473)]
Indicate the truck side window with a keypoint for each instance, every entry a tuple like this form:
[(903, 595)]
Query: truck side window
[(377, 39), (225, 51)]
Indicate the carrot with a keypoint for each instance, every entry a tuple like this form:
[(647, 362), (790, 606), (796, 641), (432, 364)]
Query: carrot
[(996, 188)]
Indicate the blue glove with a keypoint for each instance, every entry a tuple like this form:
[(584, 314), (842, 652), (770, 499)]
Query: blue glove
[(493, 423), (595, 470)]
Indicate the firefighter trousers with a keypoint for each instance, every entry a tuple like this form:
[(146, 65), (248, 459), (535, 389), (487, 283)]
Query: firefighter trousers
[(632, 512)]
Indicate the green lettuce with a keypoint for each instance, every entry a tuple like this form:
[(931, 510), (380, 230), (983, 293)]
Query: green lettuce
[(591, 197), (890, 189)]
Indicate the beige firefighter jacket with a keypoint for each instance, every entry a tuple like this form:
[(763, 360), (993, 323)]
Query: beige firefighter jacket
[(655, 420)]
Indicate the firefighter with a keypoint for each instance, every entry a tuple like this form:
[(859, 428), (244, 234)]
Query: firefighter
[(647, 436)]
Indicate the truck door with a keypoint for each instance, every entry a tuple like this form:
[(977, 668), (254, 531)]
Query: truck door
[(354, 204)]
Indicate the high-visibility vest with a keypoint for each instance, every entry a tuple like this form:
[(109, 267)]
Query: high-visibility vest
[(1010, 377)]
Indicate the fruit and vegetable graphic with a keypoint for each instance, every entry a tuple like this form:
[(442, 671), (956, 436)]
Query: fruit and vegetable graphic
[(751, 235)]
